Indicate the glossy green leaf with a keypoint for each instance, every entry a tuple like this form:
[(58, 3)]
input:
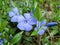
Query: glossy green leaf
[(3, 25), (17, 37)]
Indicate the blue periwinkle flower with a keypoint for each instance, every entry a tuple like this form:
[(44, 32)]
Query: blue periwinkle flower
[(15, 10), (14, 14), (11, 14), (26, 22), (41, 32), (40, 27), (50, 24)]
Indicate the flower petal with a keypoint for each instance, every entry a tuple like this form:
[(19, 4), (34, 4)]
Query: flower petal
[(14, 19), (27, 27), (41, 32), (51, 24), (21, 26), (27, 15), (32, 21), (45, 28), (20, 19), (43, 23), (15, 10), (11, 14), (36, 28)]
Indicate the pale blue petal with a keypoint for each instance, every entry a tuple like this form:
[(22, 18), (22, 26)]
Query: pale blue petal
[(14, 19), (43, 23), (45, 28), (20, 19), (1, 43), (32, 21), (28, 27), (21, 26), (41, 32), (27, 15), (38, 24), (15, 10), (11, 14), (36, 28)]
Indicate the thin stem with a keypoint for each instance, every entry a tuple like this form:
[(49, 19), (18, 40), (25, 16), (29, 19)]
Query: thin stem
[(40, 39)]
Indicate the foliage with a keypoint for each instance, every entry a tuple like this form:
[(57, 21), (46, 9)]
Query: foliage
[(11, 34)]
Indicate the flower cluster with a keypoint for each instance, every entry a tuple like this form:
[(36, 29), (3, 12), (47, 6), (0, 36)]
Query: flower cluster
[(41, 27), (26, 21)]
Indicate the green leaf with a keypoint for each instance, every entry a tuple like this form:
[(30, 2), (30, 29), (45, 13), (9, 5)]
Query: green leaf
[(17, 37), (3, 25), (54, 31), (0, 3), (42, 1), (34, 33), (38, 13)]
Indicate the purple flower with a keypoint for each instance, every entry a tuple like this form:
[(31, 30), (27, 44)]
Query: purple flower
[(11, 14), (40, 27), (14, 12), (40, 24), (41, 32), (50, 24), (26, 22), (14, 15)]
